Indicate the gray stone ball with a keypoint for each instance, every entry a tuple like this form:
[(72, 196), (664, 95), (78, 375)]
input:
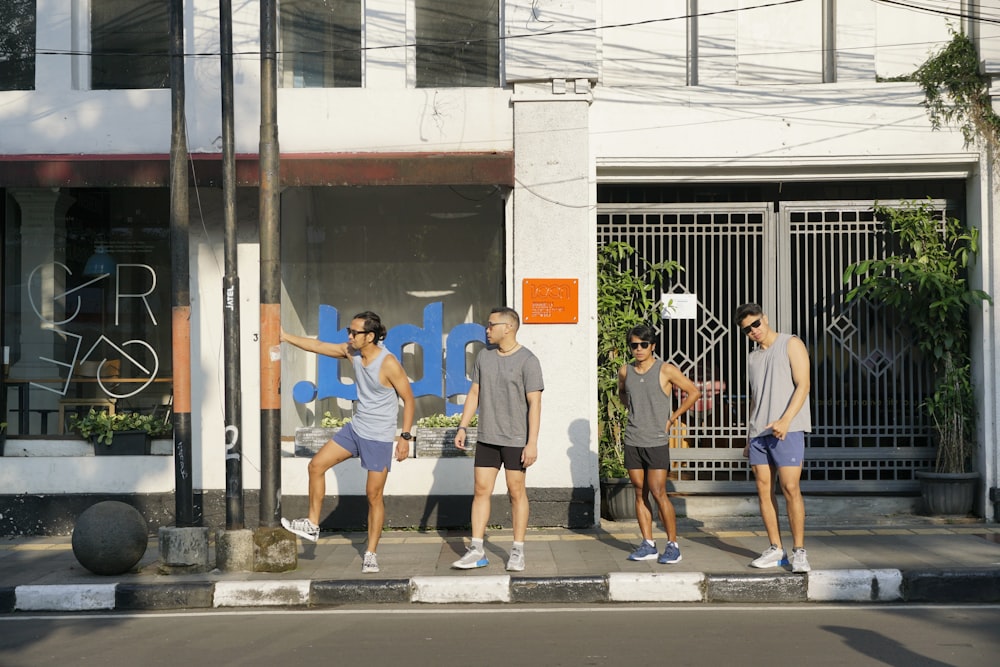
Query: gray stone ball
[(110, 537)]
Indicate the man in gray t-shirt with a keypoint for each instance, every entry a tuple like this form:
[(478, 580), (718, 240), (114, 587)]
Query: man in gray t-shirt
[(507, 389)]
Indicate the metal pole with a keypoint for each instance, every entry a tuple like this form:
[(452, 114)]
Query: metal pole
[(180, 292), (231, 284), (270, 274)]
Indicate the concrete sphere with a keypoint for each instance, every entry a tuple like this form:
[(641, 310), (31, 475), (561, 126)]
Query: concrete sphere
[(110, 538)]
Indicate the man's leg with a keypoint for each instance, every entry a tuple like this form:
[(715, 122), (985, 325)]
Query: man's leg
[(768, 502), (643, 515), (485, 480), (656, 484), (374, 488), (788, 477), (328, 456), (519, 510)]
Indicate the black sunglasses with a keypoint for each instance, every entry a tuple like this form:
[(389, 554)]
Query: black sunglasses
[(644, 344), (752, 325), (352, 332)]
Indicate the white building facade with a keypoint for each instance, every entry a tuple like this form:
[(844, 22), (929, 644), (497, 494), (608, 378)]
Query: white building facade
[(440, 158)]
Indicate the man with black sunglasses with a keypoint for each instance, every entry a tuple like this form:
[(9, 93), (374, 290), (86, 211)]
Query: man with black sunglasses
[(778, 372), (381, 382), (645, 387)]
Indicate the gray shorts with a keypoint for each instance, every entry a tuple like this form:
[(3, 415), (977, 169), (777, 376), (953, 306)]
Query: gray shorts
[(768, 450)]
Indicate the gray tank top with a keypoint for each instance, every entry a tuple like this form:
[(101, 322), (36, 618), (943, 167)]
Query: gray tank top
[(377, 406), (771, 386), (648, 407)]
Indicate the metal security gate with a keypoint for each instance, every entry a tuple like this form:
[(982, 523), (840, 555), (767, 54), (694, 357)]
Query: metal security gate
[(869, 431)]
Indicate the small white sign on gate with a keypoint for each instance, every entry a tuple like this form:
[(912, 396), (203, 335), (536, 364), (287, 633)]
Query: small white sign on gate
[(679, 306)]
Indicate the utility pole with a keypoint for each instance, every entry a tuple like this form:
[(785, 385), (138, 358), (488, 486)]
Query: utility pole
[(276, 547), (231, 284)]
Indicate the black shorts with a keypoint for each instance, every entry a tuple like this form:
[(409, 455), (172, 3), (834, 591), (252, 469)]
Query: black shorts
[(491, 456), (647, 458)]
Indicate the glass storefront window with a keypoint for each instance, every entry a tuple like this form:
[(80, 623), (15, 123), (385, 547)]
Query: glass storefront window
[(86, 311), (428, 260)]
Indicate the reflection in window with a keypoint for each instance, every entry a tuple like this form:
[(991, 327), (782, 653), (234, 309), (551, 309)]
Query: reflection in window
[(130, 43), (86, 311), (457, 43), (398, 251), (17, 44), (320, 42)]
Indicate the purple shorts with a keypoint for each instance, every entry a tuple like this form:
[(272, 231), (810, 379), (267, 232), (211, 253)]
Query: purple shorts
[(768, 450), (375, 455)]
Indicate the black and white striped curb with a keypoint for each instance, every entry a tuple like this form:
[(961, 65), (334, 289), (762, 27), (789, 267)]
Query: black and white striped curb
[(881, 585)]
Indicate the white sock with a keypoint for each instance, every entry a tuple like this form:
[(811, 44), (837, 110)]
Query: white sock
[(651, 543), (477, 543), (517, 546)]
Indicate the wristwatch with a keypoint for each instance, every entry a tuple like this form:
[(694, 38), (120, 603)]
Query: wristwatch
[(406, 435)]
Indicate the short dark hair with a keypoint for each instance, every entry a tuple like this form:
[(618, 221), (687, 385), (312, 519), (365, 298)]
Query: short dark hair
[(748, 310), (509, 313), (643, 332), (373, 324)]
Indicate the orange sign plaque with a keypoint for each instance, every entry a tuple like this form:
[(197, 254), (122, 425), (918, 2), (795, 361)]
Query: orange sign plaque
[(550, 301)]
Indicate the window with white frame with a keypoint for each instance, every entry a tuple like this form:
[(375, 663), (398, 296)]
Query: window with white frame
[(320, 43), (17, 44), (129, 44), (457, 43)]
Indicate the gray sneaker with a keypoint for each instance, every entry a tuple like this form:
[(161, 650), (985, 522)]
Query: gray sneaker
[(772, 557), (304, 528), (472, 559), (516, 562), (370, 563), (800, 564)]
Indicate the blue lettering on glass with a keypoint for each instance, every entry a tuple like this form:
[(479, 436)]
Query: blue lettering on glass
[(429, 338)]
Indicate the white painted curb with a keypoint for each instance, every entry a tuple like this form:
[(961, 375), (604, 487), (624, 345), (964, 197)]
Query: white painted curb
[(261, 593), (74, 597), (438, 590), (659, 587), (855, 585)]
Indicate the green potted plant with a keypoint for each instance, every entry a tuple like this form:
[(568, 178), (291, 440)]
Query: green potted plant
[(435, 436), (925, 283), (119, 433), (309, 439), (625, 298)]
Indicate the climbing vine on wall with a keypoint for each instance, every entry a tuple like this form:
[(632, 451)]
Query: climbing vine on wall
[(956, 93)]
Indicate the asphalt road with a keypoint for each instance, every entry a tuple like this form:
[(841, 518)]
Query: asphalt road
[(771, 635)]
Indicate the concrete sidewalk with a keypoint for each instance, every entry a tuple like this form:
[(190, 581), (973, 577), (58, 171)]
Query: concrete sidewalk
[(907, 559)]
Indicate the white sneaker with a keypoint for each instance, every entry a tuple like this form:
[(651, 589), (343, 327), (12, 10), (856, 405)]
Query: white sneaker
[(772, 557), (304, 528), (472, 559), (516, 562), (370, 564), (800, 564)]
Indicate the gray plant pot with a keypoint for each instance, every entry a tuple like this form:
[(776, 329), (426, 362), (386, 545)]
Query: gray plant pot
[(948, 493)]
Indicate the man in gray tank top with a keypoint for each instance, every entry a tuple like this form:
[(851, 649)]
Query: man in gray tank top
[(645, 387), (381, 383), (778, 371)]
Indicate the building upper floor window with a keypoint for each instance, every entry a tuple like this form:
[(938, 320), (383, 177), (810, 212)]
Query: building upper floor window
[(458, 43), (320, 43), (17, 44), (129, 43)]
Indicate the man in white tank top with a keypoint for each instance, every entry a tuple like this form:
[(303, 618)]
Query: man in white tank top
[(779, 418)]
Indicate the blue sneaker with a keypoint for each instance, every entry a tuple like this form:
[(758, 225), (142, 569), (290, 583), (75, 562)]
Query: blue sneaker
[(670, 555), (646, 551)]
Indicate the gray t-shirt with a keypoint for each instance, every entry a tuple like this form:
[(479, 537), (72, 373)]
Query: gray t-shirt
[(771, 384), (504, 384)]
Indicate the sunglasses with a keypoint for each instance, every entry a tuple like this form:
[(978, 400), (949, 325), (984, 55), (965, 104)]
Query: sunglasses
[(352, 332), (644, 345), (752, 325)]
